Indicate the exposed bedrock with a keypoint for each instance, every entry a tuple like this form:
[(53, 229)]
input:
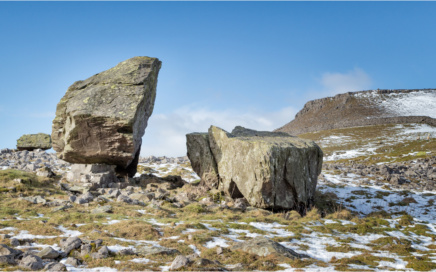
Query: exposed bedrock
[(271, 170), (101, 120)]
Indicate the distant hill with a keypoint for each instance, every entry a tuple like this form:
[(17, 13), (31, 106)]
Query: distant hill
[(365, 108)]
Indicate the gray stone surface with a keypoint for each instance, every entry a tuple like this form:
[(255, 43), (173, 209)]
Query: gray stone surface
[(34, 141), (179, 262), (270, 170), (263, 246), (102, 119), (202, 160), (48, 253), (31, 262)]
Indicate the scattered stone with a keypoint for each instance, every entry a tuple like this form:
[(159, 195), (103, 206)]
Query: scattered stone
[(55, 267), (179, 262), (31, 262), (35, 199), (69, 244), (45, 172), (103, 118), (102, 209), (263, 246), (92, 176), (102, 253), (14, 242), (153, 250), (48, 253), (72, 261), (6, 250), (7, 259), (31, 142)]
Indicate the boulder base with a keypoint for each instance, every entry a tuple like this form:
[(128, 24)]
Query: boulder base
[(270, 170)]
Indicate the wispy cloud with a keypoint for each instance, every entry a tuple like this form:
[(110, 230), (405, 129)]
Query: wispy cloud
[(351, 81), (165, 133)]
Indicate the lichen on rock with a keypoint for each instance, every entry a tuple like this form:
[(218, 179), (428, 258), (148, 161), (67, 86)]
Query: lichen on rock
[(101, 120), (271, 170)]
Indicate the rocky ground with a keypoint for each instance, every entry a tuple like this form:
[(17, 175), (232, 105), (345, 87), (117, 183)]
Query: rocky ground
[(374, 212)]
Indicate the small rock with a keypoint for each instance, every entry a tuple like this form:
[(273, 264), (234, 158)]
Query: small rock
[(14, 242), (102, 253), (72, 261), (5, 250), (102, 209), (69, 244), (48, 253), (179, 262), (7, 259), (32, 262), (55, 267), (35, 199)]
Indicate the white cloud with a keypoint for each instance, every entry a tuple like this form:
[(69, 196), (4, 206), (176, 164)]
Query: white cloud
[(165, 133), (354, 80)]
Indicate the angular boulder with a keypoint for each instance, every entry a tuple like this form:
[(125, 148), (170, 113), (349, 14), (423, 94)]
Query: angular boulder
[(101, 120), (31, 142), (270, 170), (201, 157)]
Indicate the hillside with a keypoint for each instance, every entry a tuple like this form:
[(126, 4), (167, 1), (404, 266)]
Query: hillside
[(376, 107)]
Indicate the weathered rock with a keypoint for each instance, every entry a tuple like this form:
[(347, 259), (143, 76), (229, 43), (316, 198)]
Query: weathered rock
[(6, 250), (34, 141), (7, 259), (269, 169), (179, 262), (69, 244), (72, 261), (32, 262), (263, 246), (92, 176), (103, 118), (102, 253), (45, 172), (153, 250), (48, 253), (35, 199), (202, 160), (55, 267), (102, 209)]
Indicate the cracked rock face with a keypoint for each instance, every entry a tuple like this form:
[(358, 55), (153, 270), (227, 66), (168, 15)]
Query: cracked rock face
[(101, 120), (271, 170)]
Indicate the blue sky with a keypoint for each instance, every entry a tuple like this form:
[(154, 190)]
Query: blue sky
[(224, 63)]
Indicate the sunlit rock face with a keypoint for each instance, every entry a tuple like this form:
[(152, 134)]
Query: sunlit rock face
[(101, 120), (271, 170)]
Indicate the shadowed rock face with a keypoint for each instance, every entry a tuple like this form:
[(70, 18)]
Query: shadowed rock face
[(101, 120), (34, 141), (271, 170)]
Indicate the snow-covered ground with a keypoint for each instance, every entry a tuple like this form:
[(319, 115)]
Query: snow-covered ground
[(419, 103)]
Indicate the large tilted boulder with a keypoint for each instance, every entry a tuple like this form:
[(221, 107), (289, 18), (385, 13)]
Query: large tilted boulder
[(271, 170), (31, 142), (101, 120)]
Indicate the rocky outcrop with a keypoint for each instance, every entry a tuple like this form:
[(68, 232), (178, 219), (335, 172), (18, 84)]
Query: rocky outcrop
[(101, 120), (271, 170), (31, 142), (364, 108)]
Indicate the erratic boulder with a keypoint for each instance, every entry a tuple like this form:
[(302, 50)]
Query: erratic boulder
[(271, 170), (101, 120), (31, 142)]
